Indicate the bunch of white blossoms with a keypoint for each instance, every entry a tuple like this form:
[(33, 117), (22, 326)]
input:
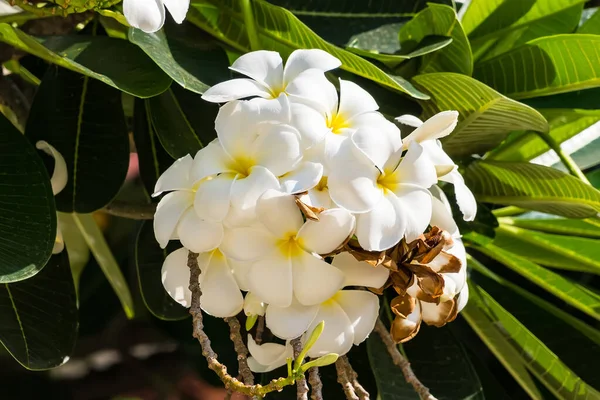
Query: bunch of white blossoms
[(301, 185)]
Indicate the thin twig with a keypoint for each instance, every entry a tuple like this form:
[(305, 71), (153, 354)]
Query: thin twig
[(343, 379), (240, 349), (402, 362), (316, 386), (131, 211), (353, 377), (260, 328), (302, 386), (211, 357)]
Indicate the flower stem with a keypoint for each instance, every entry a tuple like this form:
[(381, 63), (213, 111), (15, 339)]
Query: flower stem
[(250, 24), (566, 159)]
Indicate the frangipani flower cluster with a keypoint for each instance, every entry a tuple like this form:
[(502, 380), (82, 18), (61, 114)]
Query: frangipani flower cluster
[(307, 197)]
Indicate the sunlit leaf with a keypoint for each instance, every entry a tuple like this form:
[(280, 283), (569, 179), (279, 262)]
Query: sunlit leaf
[(563, 226)]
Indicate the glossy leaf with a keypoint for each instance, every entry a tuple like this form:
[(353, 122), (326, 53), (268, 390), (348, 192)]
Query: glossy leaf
[(183, 122), (564, 124), (544, 66), (439, 20), (566, 290), (83, 119), (189, 56), (27, 214), (486, 116), (76, 246), (533, 187), (540, 361), (149, 258), (592, 23), (113, 61), (278, 29), (575, 227), (103, 255), (38, 322)]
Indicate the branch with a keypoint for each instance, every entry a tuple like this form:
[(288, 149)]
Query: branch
[(344, 380), (302, 386), (240, 349), (131, 211), (353, 378), (316, 386), (260, 328), (402, 362)]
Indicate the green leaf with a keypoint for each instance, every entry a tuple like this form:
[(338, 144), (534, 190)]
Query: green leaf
[(566, 290), (540, 360), (38, 323), (544, 66), (152, 157), (592, 23), (350, 8), (189, 56), (83, 119), (564, 124), (486, 117), (279, 30), (183, 122), (103, 255), (574, 227), (533, 187), (27, 214), (500, 347), (76, 246), (149, 258), (439, 20), (558, 251), (113, 61)]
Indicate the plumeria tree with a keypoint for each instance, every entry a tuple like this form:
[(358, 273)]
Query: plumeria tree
[(359, 199)]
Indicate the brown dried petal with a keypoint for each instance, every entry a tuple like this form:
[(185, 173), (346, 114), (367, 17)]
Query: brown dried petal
[(428, 280), (309, 212), (447, 263), (431, 254), (404, 329), (402, 280), (403, 306), (373, 258), (439, 315)]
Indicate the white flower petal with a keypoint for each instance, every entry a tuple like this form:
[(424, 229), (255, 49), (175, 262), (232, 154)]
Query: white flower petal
[(267, 356), (176, 177), (212, 198), (301, 60), (436, 127), (279, 213), (338, 334), (314, 280), (169, 210), (175, 276), (302, 178), (443, 163), (409, 120), (247, 243), (416, 205), (463, 298), (312, 88), (199, 235), (270, 278), (360, 273), (209, 161), (263, 66), (362, 308), (379, 142), (221, 296), (441, 216), (383, 226), (310, 122), (464, 197), (318, 197), (60, 175), (415, 168), (328, 233), (246, 191), (235, 89), (177, 8), (278, 149), (147, 15), (353, 186), (354, 100), (290, 322), (240, 271), (253, 305)]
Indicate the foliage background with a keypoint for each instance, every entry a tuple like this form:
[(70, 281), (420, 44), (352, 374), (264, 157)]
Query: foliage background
[(121, 104)]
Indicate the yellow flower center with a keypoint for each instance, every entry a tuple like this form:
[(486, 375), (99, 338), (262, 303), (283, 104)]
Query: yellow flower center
[(388, 180), (242, 165), (336, 123), (290, 246), (322, 185)]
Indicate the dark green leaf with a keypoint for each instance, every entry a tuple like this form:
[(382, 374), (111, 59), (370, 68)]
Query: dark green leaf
[(486, 116), (439, 20), (27, 214), (588, 99), (76, 246), (544, 66), (574, 227), (533, 187), (189, 56), (38, 322), (112, 61), (83, 119), (383, 39), (149, 258), (279, 30), (350, 8), (183, 122), (153, 159)]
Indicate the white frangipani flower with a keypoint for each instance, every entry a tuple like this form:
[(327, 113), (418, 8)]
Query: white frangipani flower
[(285, 251), (221, 296), (175, 217), (268, 77), (268, 356), (59, 179), (149, 15), (428, 134), (253, 305)]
